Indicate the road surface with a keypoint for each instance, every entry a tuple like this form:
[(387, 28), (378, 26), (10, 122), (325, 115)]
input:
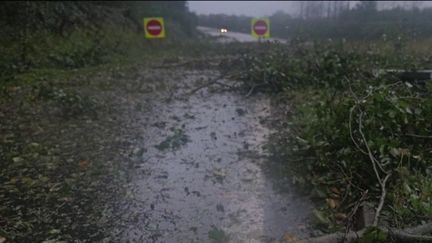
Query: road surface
[(233, 36), (201, 172)]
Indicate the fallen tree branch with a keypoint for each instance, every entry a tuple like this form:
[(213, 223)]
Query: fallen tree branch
[(336, 237), (375, 163), (225, 85), (382, 199), (351, 130), (418, 136), (211, 82), (253, 88), (403, 236), (421, 229), (382, 182), (409, 235)]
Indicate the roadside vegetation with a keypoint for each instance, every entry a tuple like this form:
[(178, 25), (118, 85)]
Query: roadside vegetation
[(357, 140), (65, 154), (349, 135)]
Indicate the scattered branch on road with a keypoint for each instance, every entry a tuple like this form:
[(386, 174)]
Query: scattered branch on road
[(253, 88), (415, 234), (211, 82)]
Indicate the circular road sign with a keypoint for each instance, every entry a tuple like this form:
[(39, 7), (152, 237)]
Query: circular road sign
[(260, 27), (154, 27)]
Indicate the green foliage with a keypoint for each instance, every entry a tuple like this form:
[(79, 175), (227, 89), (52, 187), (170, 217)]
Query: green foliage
[(218, 235), (374, 235), (80, 34), (321, 130), (413, 193), (71, 104), (340, 110), (279, 67)]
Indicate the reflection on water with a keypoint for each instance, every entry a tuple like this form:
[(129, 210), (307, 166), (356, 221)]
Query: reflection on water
[(212, 187)]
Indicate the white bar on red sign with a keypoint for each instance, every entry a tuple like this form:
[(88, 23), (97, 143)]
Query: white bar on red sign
[(154, 27)]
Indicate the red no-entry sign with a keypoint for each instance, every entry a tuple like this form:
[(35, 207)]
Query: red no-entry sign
[(261, 27), (154, 28)]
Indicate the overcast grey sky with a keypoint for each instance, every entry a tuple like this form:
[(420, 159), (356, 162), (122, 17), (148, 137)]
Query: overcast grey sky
[(249, 8), (264, 8)]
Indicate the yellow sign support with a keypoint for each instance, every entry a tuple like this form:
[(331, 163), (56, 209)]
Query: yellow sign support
[(154, 27), (260, 27)]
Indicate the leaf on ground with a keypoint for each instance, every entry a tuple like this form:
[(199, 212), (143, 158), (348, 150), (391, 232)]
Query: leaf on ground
[(320, 217), (332, 203), (218, 235), (83, 164), (289, 238), (178, 139), (340, 216)]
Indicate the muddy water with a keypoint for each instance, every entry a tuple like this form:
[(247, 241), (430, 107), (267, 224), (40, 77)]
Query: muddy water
[(211, 186), (231, 36)]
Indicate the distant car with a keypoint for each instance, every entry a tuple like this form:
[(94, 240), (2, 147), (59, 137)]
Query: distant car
[(223, 30)]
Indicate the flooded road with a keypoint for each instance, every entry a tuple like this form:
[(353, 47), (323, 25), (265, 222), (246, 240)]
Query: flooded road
[(231, 36), (200, 174)]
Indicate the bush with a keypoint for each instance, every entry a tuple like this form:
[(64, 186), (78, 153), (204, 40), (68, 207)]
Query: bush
[(344, 121), (71, 104)]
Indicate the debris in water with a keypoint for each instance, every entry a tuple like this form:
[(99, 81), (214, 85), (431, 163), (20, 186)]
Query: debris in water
[(218, 235), (240, 111), (220, 208), (213, 135), (175, 141)]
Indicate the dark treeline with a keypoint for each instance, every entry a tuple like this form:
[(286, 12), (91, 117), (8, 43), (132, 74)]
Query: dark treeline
[(336, 19), (62, 16)]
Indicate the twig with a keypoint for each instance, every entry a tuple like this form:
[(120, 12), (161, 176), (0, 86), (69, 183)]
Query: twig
[(418, 136), (253, 88), (374, 165), (374, 161), (369, 152), (358, 102), (382, 199), (225, 85), (211, 82), (351, 132), (404, 236), (353, 212), (415, 234)]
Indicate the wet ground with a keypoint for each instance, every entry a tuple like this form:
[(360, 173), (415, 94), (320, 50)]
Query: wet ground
[(231, 36), (200, 173)]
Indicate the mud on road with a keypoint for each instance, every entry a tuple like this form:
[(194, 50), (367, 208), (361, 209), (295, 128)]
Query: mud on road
[(200, 170)]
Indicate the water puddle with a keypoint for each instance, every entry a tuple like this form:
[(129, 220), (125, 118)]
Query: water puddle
[(200, 176)]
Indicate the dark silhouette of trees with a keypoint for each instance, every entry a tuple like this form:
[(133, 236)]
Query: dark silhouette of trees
[(338, 19)]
